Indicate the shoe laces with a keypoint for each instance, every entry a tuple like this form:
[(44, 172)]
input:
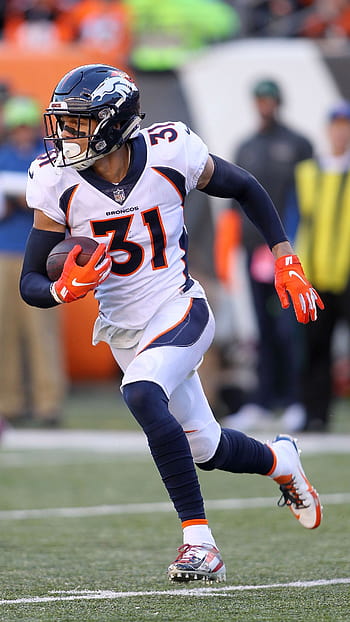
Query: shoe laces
[(186, 552), (290, 495)]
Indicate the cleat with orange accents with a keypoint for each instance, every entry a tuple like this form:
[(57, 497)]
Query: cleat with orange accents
[(197, 562), (297, 492)]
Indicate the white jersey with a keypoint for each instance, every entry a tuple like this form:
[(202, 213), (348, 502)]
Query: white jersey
[(140, 219)]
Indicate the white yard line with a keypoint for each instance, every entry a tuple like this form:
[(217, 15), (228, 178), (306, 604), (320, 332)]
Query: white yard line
[(198, 592), (135, 442), (87, 440), (150, 508)]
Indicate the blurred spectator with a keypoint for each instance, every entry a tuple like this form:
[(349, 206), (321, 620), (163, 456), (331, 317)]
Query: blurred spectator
[(271, 154), (41, 24), (167, 31), (328, 18), (276, 18), (323, 242), (4, 95), (2, 15), (31, 370), (235, 337), (104, 25)]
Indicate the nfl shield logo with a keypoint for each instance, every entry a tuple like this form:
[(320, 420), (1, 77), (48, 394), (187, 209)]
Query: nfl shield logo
[(119, 195)]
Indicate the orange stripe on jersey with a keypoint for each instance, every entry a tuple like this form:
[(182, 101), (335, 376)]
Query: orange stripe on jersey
[(190, 431), (194, 521), (170, 182), (170, 327)]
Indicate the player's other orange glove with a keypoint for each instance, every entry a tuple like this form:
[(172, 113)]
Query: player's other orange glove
[(290, 279), (76, 281)]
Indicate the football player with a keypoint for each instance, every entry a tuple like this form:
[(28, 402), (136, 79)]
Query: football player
[(104, 177)]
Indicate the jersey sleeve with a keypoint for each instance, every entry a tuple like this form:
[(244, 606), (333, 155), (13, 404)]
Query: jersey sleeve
[(41, 191), (173, 144), (196, 156)]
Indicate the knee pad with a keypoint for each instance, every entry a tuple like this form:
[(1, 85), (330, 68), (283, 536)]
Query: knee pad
[(138, 395), (147, 402), (204, 442), (149, 405)]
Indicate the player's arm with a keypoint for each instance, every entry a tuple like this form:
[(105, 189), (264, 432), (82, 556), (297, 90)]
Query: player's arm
[(34, 282), (35, 286), (223, 179)]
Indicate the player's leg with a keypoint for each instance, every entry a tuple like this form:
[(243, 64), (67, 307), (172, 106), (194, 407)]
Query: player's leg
[(167, 365), (233, 451), (238, 453), (189, 405), (172, 345), (164, 368), (229, 449)]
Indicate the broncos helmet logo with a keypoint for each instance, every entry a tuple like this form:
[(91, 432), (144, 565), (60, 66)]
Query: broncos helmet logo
[(114, 85)]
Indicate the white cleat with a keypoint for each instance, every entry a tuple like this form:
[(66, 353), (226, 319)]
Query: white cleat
[(297, 492), (197, 562)]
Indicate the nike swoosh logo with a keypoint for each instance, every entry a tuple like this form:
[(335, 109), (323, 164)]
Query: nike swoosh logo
[(293, 273), (78, 284)]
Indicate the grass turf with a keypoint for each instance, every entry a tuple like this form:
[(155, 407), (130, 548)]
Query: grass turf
[(100, 406), (46, 557)]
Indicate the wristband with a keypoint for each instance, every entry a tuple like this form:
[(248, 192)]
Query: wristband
[(54, 294)]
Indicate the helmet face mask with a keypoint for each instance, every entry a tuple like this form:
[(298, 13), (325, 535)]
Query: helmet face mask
[(105, 105)]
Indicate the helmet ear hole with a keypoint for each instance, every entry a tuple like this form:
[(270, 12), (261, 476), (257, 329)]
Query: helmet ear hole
[(108, 136)]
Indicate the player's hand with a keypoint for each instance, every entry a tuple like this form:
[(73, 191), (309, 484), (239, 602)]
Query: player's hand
[(291, 283), (76, 281)]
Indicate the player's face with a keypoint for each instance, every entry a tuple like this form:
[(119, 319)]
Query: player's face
[(77, 129)]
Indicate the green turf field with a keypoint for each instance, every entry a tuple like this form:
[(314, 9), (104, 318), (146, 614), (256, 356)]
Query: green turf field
[(99, 544), (100, 406)]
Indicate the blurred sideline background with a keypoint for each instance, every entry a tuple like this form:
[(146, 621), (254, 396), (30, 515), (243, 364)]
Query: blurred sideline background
[(198, 67)]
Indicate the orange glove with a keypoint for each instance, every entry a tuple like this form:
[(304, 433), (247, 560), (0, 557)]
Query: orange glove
[(76, 281), (290, 279)]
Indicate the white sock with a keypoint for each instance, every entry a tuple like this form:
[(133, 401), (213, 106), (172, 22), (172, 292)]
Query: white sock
[(198, 534), (283, 459)]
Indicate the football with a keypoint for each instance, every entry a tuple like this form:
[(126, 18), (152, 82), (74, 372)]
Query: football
[(58, 255)]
